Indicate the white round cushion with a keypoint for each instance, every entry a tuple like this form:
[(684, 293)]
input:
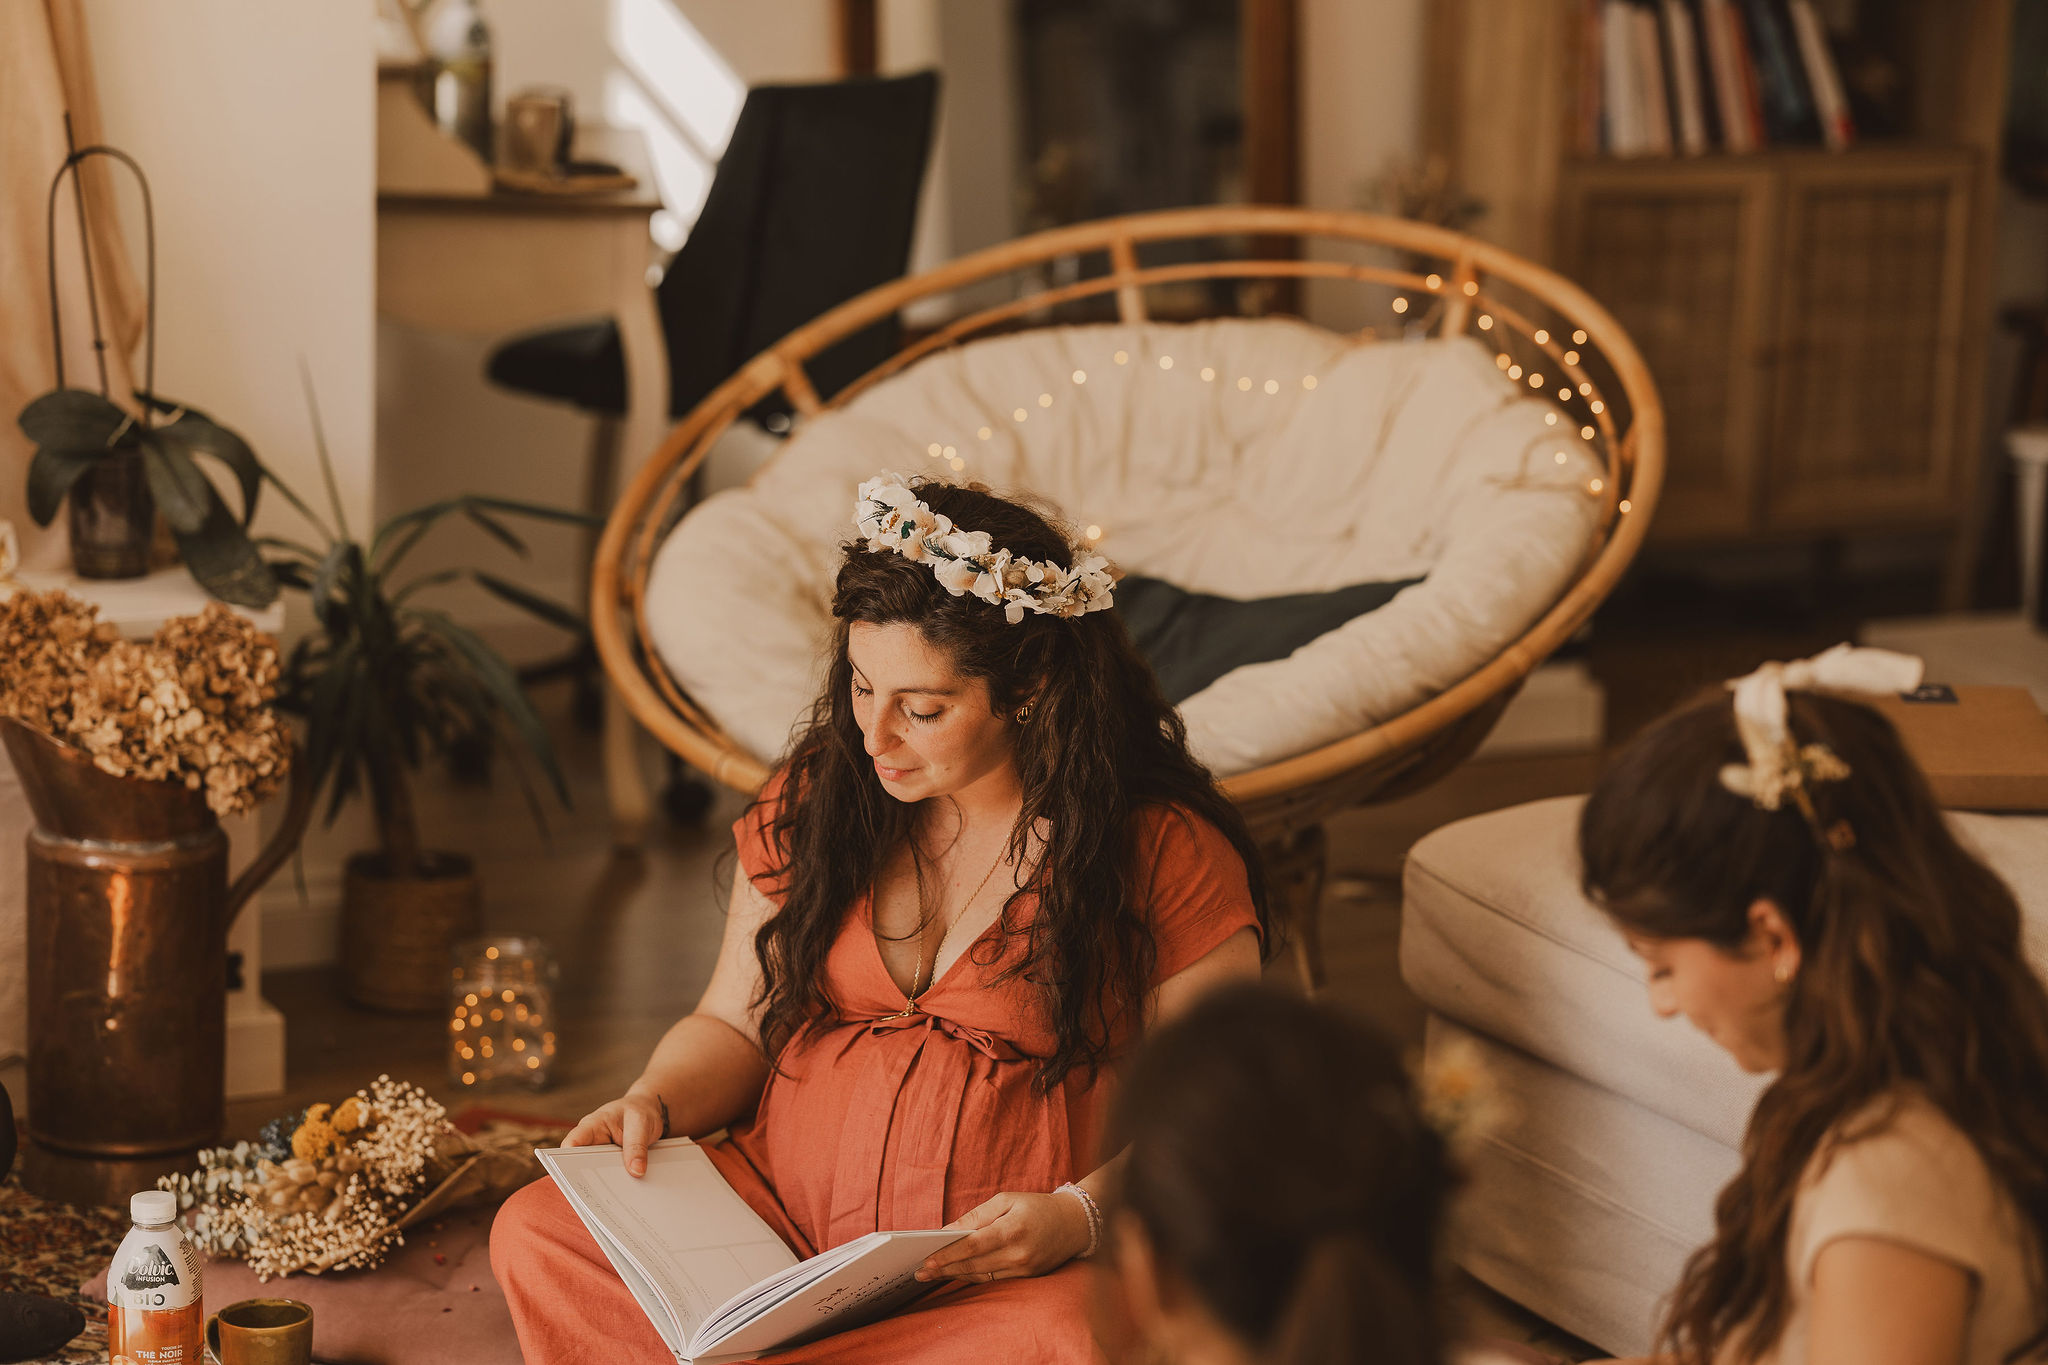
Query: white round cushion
[(1366, 461)]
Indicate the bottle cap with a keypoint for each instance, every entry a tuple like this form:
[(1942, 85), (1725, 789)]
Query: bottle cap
[(153, 1206)]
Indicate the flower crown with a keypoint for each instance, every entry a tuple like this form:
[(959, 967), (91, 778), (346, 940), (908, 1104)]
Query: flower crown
[(891, 517)]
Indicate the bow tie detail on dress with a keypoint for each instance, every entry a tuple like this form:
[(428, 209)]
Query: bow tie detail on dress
[(987, 1044)]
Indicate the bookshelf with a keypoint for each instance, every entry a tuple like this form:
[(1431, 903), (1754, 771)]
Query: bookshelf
[(1815, 319)]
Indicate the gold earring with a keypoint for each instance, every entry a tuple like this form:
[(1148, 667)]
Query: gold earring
[(1024, 714), (1782, 972)]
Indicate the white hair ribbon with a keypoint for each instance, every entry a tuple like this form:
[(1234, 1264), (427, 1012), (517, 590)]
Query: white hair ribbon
[(1777, 766)]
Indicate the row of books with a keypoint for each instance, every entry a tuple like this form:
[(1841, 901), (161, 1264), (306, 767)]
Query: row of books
[(1685, 77)]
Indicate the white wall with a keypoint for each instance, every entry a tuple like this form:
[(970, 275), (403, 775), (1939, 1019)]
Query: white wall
[(1361, 107), (256, 126)]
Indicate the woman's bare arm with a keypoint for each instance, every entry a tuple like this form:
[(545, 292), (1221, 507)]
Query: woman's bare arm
[(1880, 1303), (1884, 1303), (708, 1070)]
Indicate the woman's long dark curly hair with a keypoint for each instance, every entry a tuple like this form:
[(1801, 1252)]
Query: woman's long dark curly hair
[(1101, 746), (1912, 974)]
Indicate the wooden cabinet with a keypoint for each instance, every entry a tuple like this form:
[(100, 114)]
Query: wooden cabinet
[(1815, 321), (1803, 316), (1866, 355)]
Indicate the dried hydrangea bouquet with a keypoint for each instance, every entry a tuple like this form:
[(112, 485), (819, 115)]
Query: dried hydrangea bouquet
[(192, 706)]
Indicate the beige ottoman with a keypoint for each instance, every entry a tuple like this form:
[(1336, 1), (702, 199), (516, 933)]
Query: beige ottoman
[(1586, 1202)]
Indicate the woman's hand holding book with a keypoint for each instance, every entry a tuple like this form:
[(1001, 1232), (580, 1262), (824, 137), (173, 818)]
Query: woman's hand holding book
[(634, 1121), (1014, 1236)]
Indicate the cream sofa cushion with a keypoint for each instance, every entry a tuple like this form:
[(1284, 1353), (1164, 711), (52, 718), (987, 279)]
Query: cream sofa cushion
[(1396, 460), (1496, 936)]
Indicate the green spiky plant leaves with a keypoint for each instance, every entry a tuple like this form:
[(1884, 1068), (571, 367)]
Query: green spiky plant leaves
[(75, 429), (385, 684)]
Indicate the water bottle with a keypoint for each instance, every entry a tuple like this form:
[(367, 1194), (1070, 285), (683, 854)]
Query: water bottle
[(155, 1315)]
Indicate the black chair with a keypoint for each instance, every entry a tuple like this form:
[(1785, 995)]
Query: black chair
[(813, 202)]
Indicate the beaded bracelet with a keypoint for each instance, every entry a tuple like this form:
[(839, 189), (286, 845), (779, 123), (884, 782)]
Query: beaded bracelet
[(1092, 1209)]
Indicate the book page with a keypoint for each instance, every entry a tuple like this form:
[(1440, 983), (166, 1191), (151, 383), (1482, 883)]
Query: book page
[(693, 1241), (870, 1284)]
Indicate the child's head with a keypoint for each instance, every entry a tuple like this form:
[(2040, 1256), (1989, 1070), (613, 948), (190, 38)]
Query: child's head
[(1831, 906), (1282, 1188), (1845, 939)]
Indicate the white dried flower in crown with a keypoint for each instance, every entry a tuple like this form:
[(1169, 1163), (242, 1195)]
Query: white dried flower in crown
[(892, 517)]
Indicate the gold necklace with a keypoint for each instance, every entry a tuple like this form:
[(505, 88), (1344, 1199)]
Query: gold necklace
[(913, 995)]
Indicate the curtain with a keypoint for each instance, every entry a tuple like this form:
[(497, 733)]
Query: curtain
[(45, 71)]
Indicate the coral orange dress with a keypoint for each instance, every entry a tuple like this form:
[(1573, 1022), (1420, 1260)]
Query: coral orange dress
[(886, 1120)]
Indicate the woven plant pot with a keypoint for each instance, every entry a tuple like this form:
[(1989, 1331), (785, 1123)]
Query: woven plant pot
[(397, 932)]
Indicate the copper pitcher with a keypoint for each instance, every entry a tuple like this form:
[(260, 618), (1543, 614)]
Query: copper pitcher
[(128, 913)]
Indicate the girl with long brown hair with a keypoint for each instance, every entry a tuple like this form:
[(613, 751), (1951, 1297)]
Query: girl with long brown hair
[(1779, 863), (1282, 1198), (986, 866)]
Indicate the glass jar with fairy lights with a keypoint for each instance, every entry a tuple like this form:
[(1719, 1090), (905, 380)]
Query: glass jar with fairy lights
[(501, 1013)]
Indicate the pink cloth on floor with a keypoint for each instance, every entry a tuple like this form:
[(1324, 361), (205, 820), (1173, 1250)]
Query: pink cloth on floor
[(412, 1310)]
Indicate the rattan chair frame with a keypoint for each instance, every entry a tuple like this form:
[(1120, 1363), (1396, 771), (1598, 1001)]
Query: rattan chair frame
[(1447, 283)]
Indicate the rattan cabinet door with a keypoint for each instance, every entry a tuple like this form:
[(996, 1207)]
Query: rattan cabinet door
[(1869, 320), (1682, 254)]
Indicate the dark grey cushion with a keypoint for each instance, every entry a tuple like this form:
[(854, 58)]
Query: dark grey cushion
[(1193, 638)]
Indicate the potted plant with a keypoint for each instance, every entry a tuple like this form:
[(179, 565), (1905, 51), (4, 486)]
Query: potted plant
[(119, 468), (385, 684)]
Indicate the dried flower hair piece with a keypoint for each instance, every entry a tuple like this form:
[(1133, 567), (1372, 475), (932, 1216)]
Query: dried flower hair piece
[(892, 517), (1778, 766)]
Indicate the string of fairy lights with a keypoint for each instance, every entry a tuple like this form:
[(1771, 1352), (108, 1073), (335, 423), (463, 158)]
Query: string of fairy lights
[(956, 459)]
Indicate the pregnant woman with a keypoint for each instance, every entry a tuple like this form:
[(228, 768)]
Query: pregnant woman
[(988, 865)]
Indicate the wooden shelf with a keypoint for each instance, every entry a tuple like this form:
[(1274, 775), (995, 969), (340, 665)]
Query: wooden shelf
[(1816, 320), (1896, 149)]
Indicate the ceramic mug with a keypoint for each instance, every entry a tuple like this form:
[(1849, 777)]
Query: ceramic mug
[(538, 130), (261, 1332)]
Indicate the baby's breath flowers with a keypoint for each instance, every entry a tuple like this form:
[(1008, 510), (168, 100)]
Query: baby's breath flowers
[(190, 706), (337, 1203)]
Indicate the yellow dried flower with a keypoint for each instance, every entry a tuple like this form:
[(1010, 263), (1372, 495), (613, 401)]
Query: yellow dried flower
[(316, 1138), (350, 1115)]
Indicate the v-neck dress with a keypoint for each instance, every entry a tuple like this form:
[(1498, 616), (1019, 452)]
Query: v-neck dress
[(886, 1120)]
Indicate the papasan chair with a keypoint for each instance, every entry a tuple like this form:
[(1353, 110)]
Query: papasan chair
[(1495, 444)]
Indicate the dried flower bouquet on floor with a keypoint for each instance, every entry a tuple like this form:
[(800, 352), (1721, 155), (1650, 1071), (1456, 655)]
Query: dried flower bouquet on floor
[(193, 705), (335, 1187)]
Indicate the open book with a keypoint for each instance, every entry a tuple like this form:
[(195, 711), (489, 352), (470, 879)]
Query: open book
[(716, 1281)]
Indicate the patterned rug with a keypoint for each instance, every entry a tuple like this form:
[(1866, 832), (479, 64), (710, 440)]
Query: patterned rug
[(54, 1248), (50, 1248)]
